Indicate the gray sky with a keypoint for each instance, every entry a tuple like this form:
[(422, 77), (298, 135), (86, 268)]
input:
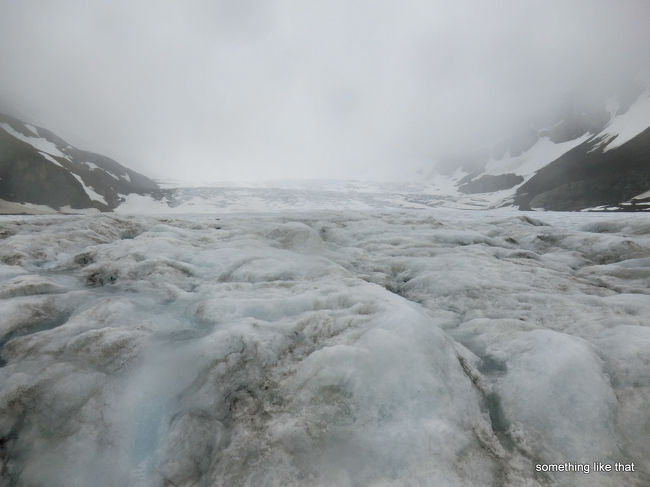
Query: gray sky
[(261, 89)]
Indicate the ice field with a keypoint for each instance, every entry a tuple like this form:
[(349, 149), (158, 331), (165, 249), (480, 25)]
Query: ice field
[(397, 347)]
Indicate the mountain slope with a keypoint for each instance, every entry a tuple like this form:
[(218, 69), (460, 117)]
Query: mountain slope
[(38, 167), (591, 160), (589, 176)]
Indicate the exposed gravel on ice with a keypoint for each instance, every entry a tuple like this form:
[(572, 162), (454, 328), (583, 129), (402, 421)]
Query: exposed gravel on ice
[(416, 347)]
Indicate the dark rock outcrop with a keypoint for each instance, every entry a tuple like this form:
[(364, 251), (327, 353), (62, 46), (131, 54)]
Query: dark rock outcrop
[(588, 176)]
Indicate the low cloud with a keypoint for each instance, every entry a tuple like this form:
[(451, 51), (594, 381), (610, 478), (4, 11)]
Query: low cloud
[(252, 89)]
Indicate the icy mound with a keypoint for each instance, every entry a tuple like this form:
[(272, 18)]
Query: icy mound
[(441, 348)]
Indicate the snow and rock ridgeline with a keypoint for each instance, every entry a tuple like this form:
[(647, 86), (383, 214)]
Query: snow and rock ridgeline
[(442, 347), (40, 172), (599, 161)]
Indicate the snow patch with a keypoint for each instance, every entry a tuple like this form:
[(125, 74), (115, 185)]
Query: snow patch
[(92, 194), (32, 129), (92, 166), (39, 143), (538, 156), (628, 125), (50, 158)]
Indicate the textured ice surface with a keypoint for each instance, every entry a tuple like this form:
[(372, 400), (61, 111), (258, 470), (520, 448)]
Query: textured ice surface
[(348, 348), (311, 195)]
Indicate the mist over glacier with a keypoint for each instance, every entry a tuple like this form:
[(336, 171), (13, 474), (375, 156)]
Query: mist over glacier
[(368, 309), (373, 347), (263, 89)]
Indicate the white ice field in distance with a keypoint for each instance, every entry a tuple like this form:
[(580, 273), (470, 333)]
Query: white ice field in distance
[(246, 197), (400, 347)]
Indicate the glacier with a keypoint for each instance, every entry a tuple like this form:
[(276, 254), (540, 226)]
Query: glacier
[(350, 347)]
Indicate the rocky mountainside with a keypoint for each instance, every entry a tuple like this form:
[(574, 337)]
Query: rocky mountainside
[(590, 159), (38, 167), (592, 175)]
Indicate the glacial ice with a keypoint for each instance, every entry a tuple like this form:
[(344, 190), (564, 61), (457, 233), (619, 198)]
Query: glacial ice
[(400, 347)]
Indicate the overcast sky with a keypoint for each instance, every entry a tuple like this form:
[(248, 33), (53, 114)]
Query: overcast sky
[(209, 90)]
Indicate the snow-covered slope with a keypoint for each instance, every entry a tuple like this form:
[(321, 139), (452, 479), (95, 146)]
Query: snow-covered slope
[(37, 167), (623, 128), (388, 348), (572, 165)]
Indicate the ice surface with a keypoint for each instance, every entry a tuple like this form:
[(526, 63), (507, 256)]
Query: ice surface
[(92, 166), (372, 347), (309, 195)]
